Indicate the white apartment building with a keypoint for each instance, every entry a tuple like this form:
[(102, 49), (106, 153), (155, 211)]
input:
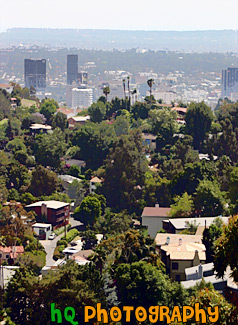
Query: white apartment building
[(82, 97), (166, 96)]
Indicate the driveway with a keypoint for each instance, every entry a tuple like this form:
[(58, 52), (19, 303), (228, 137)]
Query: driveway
[(50, 245)]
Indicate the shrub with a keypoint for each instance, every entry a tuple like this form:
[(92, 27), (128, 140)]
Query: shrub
[(62, 242), (71, 235), (57, 254)]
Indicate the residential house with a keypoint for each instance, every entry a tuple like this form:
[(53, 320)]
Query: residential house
[(8, 272), (8, 88), (68, 112), (75, 162), (67, 180), (206, 272), (40, 128), (43, 230), (152, 218), (162, 239), (180, 256), (10, 253), (93, 184), (56, 212), (176, 225), (78, 121), (149, 140)]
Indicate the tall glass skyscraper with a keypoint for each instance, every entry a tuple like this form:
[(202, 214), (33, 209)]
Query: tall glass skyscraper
[(72, 68), (35, 73)]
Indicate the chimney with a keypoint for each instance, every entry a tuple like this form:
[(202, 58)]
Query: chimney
[(180, 241), (167, 240), (44, 209), (200, 272), (157, 205)]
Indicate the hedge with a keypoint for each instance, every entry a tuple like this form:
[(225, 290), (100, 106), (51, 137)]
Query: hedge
[(70, 235), (60, 230), (57, 254)]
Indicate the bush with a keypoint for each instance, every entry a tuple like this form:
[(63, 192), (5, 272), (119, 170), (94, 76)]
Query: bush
[(71, 235), (61, 248), (57, 254), (60, 230), (62, 242)]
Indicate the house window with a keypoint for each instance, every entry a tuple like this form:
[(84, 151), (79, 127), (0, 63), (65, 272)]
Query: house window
[(0, 255), (7, 256), (174, 266), (177, 277)]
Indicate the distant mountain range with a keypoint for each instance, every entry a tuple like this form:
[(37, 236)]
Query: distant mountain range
[(187, 41)]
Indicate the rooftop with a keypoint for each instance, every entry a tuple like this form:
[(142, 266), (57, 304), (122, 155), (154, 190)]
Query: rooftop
[(161, 239), (51, 204), (179, 109), (185, 251), (155, 212), (69, 178), (182, 223), (95, 180), (37, 126), (81, 118), (41, 225)]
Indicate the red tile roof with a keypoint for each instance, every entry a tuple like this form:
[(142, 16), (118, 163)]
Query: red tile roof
[(179, 109)]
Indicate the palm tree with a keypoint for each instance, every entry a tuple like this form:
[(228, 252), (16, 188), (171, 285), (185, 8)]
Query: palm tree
[(124, 88), (134, 92), (106, 91), (128, 86), (150, 83)]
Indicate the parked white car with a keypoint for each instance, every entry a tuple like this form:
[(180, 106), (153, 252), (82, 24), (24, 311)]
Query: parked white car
[(52, 236)]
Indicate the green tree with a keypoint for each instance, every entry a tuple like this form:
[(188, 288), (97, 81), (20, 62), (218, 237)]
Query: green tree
[(150, 83), (18, 176), (124, 173), (94, 140), (140, 110), (97, 112), (43, 182), (59, 120), (75, 171), (112, 224), (198, 122), (48, 108), (121, 125), (183, 206), (142, 284), (209, 200), (15, 145), (163, 123), (210, 235), (208, 298), (49, 148), (226, 249), (233, 193), (88, 211), (5, 104), (106, 91), (78, 285)]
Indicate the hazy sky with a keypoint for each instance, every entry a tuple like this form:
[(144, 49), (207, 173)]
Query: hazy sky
[(121, 14)]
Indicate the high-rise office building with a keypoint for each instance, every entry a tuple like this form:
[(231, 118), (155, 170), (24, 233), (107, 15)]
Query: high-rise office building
[(229, 82), (35, 73), (72, 68)]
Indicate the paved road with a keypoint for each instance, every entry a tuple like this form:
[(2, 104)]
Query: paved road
[(50, 245)]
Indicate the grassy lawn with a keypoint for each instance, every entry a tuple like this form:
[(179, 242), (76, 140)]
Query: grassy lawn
[(28, 102)]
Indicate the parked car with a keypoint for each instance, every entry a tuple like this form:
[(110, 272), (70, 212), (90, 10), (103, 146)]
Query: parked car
[(52, 236)]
